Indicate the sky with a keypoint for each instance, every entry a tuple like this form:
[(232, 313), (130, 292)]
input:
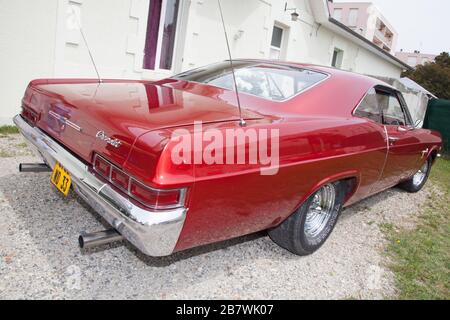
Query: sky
[(422, 25)]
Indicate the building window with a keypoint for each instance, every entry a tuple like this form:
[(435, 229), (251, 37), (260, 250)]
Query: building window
[(337, 14), (353, 17), (277, 43), (338, 57), (161, 34)]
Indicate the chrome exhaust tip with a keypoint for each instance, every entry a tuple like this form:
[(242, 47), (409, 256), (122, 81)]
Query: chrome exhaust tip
[(34, 167), (92, 240)]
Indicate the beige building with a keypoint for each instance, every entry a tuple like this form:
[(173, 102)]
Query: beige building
[(366, 19), (415, 58)]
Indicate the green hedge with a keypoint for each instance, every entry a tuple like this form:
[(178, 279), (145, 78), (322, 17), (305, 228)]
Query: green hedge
[(438, 118)]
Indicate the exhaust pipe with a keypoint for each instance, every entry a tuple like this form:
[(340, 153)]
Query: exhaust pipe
[(34, 167), (91, 240)]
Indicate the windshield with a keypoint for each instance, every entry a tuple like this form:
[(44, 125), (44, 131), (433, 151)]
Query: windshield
[(265, 80)]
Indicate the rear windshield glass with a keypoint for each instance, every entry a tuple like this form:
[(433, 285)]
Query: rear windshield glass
[(269, 81)]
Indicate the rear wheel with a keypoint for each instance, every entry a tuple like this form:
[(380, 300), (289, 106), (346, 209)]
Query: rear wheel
[(311, 225), (418, 181)]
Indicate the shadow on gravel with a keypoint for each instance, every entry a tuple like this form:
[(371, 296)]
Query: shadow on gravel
[(54, 222), (369, 203), (47, 215)]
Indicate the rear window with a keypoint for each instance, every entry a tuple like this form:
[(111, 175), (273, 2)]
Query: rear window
[(268, 81)]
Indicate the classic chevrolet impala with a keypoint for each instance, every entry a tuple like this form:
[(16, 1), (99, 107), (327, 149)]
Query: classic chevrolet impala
[(173, 164)]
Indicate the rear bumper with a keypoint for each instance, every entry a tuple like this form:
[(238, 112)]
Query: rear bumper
[(155, 233)]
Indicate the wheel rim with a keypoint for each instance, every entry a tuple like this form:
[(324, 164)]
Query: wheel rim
[(320, 211), (420, 176)]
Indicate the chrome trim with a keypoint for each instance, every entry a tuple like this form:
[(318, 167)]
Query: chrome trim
[(182, 191), (65, 121), (421, 175), (155, 233), (101, 135), (320, 211)]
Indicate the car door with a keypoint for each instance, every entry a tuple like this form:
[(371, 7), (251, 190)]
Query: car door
[(403, 146), (372, 168)]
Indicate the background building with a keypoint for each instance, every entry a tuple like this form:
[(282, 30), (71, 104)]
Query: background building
[(152, 39), (415, 58), (366, 19)]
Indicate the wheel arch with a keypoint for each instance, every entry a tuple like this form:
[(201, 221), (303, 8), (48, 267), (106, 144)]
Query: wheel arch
[(433, 155), (351, 178)]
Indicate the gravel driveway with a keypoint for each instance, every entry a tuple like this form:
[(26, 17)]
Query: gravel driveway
[(40, 259)]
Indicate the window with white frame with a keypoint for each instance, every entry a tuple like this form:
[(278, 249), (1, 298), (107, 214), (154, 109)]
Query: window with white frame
[(338, 57), (161, 34), (276, 44)]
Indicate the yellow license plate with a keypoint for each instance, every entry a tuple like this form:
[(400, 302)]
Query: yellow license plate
[(61, 179)]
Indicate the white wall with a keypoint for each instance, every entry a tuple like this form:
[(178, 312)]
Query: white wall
[(27, 49), (115, 31), (38, 40), (307, 41)]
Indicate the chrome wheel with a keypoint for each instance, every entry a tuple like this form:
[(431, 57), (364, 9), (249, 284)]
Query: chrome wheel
[(420, 176), (320, 211)]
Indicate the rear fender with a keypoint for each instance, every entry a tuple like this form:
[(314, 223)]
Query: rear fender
[(351, 174)]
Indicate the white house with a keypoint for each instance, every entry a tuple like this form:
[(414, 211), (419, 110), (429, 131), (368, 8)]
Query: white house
[(151, 39)]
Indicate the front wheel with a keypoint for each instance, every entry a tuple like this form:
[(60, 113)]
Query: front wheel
[(311, 225), (418, 181)]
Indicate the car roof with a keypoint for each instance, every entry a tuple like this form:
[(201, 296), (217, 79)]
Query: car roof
[(319, 68)]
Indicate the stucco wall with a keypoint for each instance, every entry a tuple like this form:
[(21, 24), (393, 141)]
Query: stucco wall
[(39, 39), (306, 41), (27, 49)]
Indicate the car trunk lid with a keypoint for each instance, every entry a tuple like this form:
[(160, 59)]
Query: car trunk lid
[(89, 117)]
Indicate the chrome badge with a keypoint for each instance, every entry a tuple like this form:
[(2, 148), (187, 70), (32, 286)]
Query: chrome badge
[(101, 135)]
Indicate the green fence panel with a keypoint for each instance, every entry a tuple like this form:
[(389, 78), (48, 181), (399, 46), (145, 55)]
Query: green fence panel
[(438, 118)]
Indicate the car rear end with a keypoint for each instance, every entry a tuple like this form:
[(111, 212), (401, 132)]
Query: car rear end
[(113, 178)]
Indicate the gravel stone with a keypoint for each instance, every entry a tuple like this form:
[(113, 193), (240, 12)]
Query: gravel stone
[(40, 258)]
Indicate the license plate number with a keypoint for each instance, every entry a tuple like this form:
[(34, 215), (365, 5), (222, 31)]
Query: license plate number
[(61, 179)]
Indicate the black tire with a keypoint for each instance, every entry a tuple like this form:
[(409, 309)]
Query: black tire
[(292, 235), (411, 184)]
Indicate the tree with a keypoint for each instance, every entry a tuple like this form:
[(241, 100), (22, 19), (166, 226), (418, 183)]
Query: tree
[(434, 76)]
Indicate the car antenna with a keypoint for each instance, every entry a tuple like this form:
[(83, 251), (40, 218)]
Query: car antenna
[(87, 45), (242, 121)]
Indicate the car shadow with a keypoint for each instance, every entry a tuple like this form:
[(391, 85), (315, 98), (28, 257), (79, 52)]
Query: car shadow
[(42, 210)]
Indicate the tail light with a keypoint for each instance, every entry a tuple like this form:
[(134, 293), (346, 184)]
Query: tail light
[(152, 198), (102, 167), (120, 179), (156, 199), (31, 116)]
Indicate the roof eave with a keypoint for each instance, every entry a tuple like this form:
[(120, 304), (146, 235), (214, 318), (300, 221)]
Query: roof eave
[(368, 44)]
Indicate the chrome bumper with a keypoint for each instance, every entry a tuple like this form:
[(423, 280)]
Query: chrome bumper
[(155, 233)]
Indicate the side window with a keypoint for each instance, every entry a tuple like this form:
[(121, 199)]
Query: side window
[(393, 114), (368, 108)]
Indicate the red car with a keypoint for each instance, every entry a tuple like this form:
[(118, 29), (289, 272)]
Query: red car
[(332, 137)]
